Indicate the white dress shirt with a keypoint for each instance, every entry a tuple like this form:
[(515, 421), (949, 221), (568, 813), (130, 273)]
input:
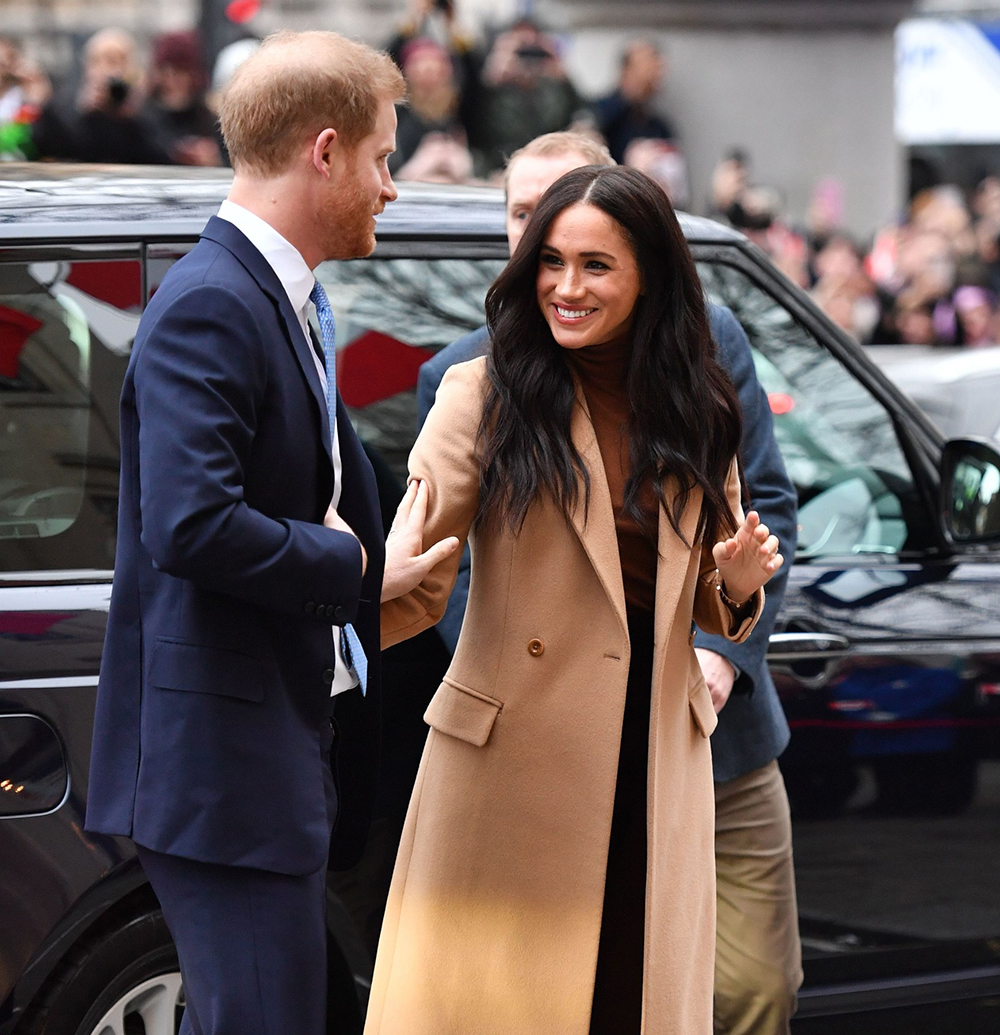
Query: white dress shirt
[(297, 280)]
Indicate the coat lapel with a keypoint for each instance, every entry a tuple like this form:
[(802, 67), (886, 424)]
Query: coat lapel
[(596, 525), (672, 565), (233, 240), (596, 531)]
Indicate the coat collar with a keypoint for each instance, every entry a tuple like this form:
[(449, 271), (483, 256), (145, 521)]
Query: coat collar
[(595, 526), (227, 235)]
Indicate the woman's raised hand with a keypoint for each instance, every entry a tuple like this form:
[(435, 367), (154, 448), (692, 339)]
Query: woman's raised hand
[(748, 559)]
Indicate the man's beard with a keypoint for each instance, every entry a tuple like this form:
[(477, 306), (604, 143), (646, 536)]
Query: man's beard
[(346, 223)]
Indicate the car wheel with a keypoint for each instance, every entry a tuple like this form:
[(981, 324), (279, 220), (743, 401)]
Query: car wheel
[(125, 981)]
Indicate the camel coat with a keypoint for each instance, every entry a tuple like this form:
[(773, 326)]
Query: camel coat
[(494, 914)]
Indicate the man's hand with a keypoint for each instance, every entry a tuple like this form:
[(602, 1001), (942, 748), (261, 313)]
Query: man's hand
[(337, 523), (719, 675), (405, 564)]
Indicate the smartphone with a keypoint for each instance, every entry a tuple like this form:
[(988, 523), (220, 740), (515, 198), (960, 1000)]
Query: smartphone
[(117, 92)]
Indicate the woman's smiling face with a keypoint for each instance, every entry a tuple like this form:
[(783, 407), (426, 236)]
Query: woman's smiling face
[(588, 278)]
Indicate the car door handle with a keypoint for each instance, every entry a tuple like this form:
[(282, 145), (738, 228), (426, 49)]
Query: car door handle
[(800, 646)]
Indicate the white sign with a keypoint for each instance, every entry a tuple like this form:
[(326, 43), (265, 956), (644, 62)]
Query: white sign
[(947, 82)]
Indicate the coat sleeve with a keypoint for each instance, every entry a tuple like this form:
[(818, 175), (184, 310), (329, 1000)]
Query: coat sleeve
[(772, 494), (445, 458), (200, 381), (710, 613), (470, 346)]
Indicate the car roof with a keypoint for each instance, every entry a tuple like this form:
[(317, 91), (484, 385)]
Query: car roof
[(48, 202)]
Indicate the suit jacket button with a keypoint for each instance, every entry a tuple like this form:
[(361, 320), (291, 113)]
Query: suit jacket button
[(338, 614), (310, 607), (328, 676), (536, 648), (330, 610)]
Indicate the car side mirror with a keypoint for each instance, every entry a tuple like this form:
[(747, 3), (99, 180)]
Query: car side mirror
[(970, 491)]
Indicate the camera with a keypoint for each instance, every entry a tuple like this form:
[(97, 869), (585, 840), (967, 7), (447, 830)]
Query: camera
[(117, 92), (532, 53)]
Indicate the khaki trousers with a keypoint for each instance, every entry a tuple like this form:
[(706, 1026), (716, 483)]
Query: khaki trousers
[(758, 961)]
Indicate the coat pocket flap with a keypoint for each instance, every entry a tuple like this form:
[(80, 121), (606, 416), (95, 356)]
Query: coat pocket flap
[(176, 665), (463, 713), (702, 709)]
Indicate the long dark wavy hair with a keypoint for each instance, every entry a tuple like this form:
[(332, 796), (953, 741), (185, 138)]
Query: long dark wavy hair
[(684, 415)]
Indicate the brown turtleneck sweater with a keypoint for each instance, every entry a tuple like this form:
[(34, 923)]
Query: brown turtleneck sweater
[(601, 370)]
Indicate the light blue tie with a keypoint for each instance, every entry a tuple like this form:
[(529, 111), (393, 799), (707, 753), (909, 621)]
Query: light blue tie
[(350, 644)]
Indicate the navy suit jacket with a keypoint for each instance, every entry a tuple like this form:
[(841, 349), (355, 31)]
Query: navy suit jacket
[(214, 680), (752, 728)]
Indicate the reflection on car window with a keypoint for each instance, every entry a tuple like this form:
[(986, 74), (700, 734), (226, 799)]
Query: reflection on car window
[(837, 440), (65, 333), (392, 315)]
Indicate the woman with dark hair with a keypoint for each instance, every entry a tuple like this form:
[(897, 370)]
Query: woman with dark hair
[(556, 872)]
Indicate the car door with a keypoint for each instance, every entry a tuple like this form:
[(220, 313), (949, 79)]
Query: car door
[(67, 318), (887, 660)]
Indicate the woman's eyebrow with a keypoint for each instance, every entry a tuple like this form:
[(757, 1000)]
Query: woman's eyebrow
[(583, 255)]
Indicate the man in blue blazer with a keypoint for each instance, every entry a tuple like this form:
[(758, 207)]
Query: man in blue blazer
[(237, 719), (758, 956)]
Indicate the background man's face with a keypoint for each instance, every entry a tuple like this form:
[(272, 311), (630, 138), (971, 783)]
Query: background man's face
[(109, 58), (528, 178)]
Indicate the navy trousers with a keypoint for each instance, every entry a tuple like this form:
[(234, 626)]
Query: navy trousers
[(252, 944)]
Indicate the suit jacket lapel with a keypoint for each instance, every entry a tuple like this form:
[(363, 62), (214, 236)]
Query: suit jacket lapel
[(596, 525), (225, 233)]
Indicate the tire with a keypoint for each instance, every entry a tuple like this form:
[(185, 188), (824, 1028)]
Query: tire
[(124, 981)]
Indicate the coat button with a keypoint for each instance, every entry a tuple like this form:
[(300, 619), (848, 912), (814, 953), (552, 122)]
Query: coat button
[(311, 607), (338, 614), (536, 648), (328, 676), (330, 610)]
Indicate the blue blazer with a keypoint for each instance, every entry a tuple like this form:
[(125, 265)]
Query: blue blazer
[(214, 680), (752, 728)]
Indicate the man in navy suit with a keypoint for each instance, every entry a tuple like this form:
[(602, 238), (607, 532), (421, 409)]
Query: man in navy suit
[(237, 718), (758, 956)]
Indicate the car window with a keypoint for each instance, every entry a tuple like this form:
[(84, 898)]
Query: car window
[(392, 315), (66, 329), (841, 451), (159, 259)]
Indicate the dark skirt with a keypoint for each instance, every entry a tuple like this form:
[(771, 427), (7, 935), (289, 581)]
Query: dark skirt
[(617, 1007)]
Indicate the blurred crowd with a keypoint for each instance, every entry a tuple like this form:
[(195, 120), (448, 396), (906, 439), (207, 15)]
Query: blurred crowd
[(932, 277), (116, 109), (468, 106)]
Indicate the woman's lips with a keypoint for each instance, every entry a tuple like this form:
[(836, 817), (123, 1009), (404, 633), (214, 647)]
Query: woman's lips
[(571, 316)]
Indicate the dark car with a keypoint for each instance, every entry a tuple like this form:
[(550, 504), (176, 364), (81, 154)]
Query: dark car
[(887, 653)]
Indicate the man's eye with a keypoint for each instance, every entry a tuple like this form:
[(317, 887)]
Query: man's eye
[(521, 216)]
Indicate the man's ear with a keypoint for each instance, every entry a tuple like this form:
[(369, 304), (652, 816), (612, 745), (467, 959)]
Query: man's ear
[(323, 150)]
